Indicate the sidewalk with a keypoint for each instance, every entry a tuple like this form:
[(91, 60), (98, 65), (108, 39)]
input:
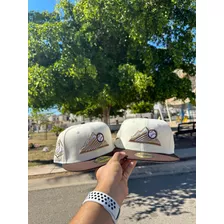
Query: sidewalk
[(183, 154)]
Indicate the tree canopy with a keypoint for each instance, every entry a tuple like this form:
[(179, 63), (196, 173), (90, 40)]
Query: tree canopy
[(95, 55)]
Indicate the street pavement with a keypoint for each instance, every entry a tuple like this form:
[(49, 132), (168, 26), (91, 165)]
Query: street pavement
[(166, 199), (159, 193)]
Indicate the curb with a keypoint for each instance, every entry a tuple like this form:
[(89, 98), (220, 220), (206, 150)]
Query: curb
[(165, 169), (184, 154), (140, 163), (89, 178)]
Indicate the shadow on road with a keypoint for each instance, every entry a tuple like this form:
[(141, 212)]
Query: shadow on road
[(164, 194), (50, 161)]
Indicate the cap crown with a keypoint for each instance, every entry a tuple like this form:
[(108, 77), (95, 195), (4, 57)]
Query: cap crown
[(83, 142), (146, 135)]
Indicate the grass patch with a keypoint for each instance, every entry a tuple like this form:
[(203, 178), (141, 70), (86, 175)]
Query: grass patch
[(37, 156)]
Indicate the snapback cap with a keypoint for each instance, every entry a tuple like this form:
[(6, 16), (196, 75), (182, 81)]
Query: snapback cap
[(146, 139), (84, 147)]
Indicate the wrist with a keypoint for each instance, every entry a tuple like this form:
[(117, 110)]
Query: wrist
[(103, 188), (109, 191)]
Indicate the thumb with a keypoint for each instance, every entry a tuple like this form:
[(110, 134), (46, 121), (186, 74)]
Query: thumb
[(128, 170), (117, 157)]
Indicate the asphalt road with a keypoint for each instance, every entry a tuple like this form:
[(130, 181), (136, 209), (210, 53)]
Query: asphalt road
[(154, 200)]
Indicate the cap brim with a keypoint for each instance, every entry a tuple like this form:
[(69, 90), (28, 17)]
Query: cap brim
[(132, 154), (88, 165), (148, 156)]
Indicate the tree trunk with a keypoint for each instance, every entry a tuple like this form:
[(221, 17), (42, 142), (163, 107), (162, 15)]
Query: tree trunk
[(106, 115), (168, 112), (90, 118), (46, 132)]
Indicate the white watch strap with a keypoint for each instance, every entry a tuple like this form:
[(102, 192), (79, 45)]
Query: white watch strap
[(106, 201)]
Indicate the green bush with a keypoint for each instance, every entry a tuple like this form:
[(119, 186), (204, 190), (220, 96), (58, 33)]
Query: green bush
[(57, 130)]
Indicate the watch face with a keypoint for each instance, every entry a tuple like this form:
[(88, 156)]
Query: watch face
[(152, 133)]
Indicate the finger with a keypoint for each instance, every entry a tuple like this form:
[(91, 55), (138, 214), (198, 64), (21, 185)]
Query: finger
[(117, 156), (125, 164), (96, 170), (127, 172), (96, 173), (122, 161)]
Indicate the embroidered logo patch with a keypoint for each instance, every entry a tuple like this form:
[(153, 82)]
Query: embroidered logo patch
[(102, 159), (100, 137), (148, 136), (152, 134), (95, 141), (59, 151), (144, 155)]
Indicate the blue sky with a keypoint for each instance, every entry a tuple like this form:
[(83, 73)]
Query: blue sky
[(53, 111), (41, 5)]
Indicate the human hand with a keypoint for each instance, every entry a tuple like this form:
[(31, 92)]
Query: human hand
[(113, 177)]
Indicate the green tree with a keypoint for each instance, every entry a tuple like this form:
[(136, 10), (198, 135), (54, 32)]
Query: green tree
[(141, 107), (41, 18), (105, 54), (57, 130), (41, 119)]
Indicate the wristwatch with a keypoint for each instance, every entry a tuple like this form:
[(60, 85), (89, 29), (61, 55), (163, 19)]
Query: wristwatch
[(106, 201)]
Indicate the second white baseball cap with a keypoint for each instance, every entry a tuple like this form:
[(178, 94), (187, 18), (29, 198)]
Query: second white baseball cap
[(146, 139)]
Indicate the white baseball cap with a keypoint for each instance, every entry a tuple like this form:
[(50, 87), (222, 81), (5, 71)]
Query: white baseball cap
[(146, 139), (84, 147)]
